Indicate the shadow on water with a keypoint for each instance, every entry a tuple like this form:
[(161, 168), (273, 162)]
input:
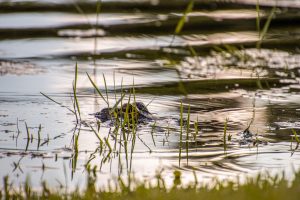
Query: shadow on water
[(223, 100)]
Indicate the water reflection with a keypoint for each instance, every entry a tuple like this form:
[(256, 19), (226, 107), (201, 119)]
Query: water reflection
[(234, 85)]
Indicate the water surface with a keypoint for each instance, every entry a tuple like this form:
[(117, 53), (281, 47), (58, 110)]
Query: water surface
[(213, 66)]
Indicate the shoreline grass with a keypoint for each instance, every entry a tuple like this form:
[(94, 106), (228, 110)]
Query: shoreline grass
[(263, 186)]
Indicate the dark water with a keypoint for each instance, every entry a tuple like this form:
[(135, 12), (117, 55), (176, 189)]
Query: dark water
[(213, 66)]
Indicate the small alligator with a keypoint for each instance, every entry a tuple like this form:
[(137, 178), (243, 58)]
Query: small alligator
[(247, 138), (136, 110)]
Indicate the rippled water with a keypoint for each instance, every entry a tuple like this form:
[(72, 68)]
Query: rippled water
[(213, 66)]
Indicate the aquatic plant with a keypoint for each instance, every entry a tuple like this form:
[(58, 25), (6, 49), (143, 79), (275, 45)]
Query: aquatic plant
[(182, 20), (295, 137), (76, 108), (262, 32)]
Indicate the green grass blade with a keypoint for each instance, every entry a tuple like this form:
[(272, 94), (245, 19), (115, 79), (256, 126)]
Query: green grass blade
[(296, 136), (96, 88), (58, 103), (106, 91), (182, 20), (97, 135), (76, 101), (267, 24), (76, 75), (265, 28), (117, 103), (108, 144), (75, 90)]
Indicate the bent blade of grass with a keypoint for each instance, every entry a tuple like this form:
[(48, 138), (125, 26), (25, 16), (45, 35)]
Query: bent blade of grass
[(97, 135), (150, 151), (296, 136), (76, 100), (108, 144), (182, 20), (96, 88), (106, 91), (58, 103), (117, 103), (265, 29), (74, 107), (267, 24)]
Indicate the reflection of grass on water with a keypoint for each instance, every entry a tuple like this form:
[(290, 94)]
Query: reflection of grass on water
[(264, 186)]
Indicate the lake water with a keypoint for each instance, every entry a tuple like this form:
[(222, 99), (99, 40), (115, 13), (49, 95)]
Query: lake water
[(219, 65)]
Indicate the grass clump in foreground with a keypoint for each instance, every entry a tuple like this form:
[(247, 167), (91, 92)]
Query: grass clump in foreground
[(261, 187)]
